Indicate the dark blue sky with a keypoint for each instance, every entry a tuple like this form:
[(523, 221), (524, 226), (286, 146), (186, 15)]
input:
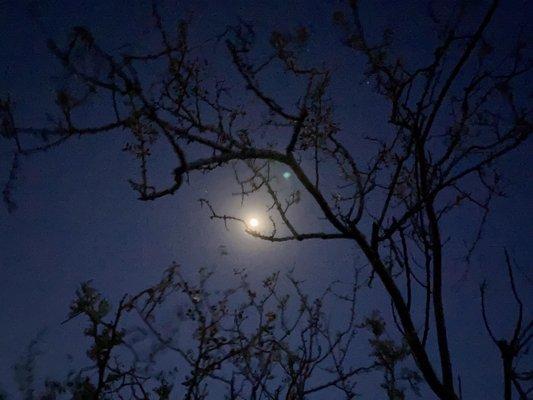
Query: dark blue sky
[(78, 219)]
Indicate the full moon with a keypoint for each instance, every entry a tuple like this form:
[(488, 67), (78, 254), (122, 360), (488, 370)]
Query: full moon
[(254, 222)]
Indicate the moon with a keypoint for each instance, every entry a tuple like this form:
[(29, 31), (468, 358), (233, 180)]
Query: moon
[(253, 222)]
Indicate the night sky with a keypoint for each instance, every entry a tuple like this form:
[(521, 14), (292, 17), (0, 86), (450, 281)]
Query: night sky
[(79, 220)]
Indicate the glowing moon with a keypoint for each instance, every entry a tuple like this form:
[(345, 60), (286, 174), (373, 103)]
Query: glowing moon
[(253, 222)]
